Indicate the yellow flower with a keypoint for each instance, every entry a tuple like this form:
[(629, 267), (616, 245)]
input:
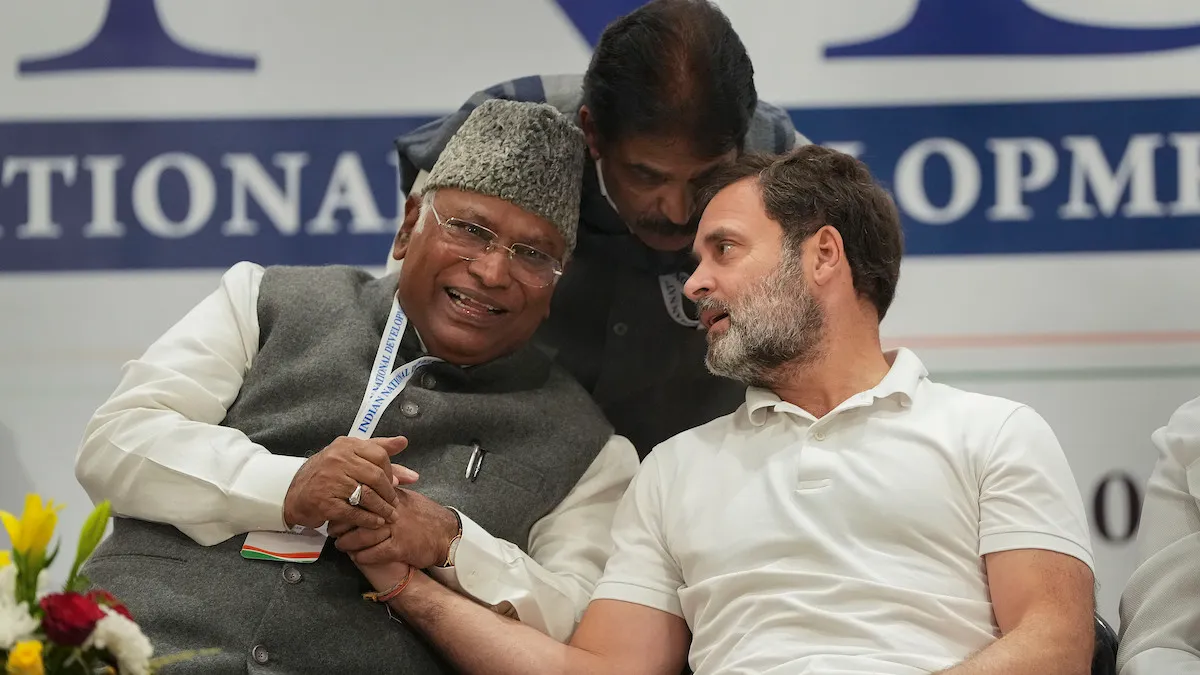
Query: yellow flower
[(31, 534), (26, 659), (4, 559)]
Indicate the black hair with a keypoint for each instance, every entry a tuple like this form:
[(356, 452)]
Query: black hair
[(672, 67)]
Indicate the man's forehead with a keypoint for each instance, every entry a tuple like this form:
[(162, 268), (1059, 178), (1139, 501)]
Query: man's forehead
[(735, 211), (672, 158), (737, 201), (468, 209)]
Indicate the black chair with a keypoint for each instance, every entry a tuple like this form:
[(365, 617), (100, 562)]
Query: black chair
[(1104, 657)]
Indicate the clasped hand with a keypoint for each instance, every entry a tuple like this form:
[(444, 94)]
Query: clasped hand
[(419, 535), (389, 524), (320, 491)]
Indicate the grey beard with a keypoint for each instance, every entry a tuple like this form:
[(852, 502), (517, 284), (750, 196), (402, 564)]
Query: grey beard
[(777, 324)]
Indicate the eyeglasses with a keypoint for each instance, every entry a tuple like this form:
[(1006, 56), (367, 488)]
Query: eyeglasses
[(471, 241)]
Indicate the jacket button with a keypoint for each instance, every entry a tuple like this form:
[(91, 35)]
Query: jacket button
[(259, 654), (620, 329), (428, 381), (291, 574), (410, 409)]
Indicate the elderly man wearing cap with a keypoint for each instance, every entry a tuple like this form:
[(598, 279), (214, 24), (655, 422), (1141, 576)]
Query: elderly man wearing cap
[(264, 420)]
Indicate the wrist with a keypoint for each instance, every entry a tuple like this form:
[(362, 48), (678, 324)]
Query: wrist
[(453, 534), (294, 517), (391, 591), (414, 596), (289, 516), (385, 575)]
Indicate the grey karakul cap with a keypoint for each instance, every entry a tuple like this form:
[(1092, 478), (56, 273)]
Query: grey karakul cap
[(525, 153)]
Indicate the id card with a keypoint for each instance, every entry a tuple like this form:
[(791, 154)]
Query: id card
[(284, 546)]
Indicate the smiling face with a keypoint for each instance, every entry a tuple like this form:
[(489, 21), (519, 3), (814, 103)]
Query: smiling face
[(759, 311), (471, 312)]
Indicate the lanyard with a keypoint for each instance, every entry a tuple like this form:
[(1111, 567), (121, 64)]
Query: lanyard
[(384, 385)]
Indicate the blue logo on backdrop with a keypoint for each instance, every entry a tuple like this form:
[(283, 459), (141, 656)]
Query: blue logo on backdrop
[(590, 17), (133, 36), (1009, 28)]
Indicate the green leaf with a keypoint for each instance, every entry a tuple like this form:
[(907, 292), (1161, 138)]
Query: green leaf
[(50, 558), (56, 657), (79, 584), (93, 531), (34, 565), (25, 590), (89, 538)]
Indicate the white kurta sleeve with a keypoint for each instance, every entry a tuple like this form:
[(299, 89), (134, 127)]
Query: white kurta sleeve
[(1160, 608), (155, 449), (549, 588)]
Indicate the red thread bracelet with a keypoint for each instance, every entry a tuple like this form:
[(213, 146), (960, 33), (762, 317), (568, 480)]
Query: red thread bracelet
[(391, 592)]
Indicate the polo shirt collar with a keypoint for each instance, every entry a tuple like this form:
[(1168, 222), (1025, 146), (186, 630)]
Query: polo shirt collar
[(900, 383)]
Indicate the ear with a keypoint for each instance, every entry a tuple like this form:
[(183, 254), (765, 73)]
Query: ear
[(412, 210), (589, 131), (827, 252)]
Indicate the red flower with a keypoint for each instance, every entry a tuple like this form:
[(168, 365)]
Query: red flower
[(106, 599), (69, 618)]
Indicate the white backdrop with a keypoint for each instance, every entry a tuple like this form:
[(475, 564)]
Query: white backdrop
[(1045, 156)]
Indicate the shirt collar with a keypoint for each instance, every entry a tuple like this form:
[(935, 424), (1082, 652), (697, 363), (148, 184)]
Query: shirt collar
[(900, 383)]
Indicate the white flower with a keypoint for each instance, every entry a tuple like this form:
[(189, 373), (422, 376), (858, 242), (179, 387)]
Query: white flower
[(124, 640), (15, 624), (8, 584), (45, 585)]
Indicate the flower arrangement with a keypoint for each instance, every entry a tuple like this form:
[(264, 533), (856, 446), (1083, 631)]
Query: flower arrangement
[(44, 631)]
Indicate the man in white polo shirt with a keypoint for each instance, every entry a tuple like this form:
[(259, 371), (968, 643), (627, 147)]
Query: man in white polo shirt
[(851, 516)]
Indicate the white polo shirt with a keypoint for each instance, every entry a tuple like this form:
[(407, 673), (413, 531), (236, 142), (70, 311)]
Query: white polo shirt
[(848, 544)]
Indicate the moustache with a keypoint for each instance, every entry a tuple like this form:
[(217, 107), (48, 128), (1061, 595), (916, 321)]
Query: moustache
[(706, 304), (665, 227)]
